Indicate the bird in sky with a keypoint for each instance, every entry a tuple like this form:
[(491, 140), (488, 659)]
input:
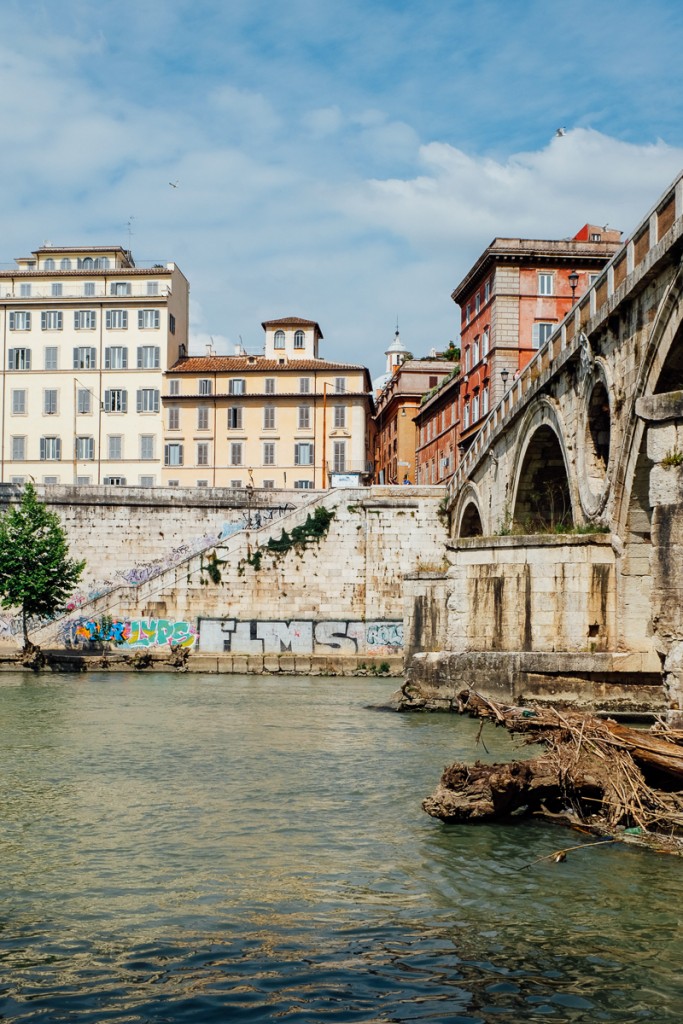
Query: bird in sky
[(173, 184), (560, 133)]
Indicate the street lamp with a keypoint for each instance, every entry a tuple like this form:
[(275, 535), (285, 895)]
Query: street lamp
[(573, 281), (504, 373)]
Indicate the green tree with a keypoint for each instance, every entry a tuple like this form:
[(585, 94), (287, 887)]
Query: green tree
[(36, 573)]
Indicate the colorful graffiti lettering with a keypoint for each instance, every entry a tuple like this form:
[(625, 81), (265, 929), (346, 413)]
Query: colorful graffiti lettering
[(136, 633), (300, 636)]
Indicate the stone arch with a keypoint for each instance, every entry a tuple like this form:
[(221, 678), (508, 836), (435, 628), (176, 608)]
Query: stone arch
[(597, 446), (543, 497), (467, 518)]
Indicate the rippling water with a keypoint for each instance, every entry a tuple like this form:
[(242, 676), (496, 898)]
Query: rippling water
[(186, 848)]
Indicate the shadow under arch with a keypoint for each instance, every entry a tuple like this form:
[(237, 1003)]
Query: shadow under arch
[(543, 496), (470, 522)]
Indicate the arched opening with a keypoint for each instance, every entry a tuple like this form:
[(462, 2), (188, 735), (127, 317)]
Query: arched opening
[(597, 437), (671, 376), (470, 524), (543, 502)]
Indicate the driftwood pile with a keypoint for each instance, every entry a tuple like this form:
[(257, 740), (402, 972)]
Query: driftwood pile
[(595, 774)]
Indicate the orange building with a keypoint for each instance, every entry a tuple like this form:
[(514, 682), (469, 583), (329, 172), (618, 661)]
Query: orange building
[(400, 393), (437, 423), (511, 301)]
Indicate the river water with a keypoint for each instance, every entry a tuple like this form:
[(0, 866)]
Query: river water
[(206, 848)]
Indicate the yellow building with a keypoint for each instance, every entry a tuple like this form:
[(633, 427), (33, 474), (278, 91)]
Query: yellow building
[(86, 337), (286, 418)]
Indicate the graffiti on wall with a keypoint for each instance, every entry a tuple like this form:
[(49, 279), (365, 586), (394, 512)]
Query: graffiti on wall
[(134, 633), (300, 636)]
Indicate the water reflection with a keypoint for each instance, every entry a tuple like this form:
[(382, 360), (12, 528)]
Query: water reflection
[(180, 848)]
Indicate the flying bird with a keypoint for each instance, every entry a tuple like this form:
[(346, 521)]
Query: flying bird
[(560, 133), (173, 184)]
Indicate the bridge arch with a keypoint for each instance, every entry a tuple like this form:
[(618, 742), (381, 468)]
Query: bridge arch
[(468, 519), (598, 434), (543, 494)]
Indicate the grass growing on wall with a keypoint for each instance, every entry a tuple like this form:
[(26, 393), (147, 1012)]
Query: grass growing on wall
[(312, 531)]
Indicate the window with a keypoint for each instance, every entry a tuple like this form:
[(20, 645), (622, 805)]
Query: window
[(20, 320), (49, 264), (340, 385), (114, 481), (89, 288), (269, 453), (119, 288), (596, 236), (174, 387), (116, 357), (19, 359), (485, 401), (592, 278), (50, 449), (173, 418), (236, 386), (279, 339), (65, 264), (51, 357), (85, 449), (50, 402), (269, 417), (147, 447), (51, 320), (303, 485), (116, 319), (19, 403), (114, 446), (541, 333), (467, 359), (56, 289), (171, 326), (152, 287), (487, 291), (299, 339), (101, 263), (202, 483), (115, 400), (25, 290), (18, 449), (339, 456), (84, 358), (304, 417), (205, 387), (87, 263), (485, 341), (304, 385), (475, 351), (477, 303), (148, 319), (148, 357), (85, 319), (203, 453), (83, 402), (235, 418), (269, 485), (339, 417), (236, 484), (203, 417), (147, 400), (466, 415), (303, 454), (546, 284), (475, 407), (147, 481), (468, 312), (236, 453), (269, 385), (18, 480), (50, 480)]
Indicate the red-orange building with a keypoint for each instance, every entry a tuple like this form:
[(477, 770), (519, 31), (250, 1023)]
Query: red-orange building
[(511, 301), (437, 422)]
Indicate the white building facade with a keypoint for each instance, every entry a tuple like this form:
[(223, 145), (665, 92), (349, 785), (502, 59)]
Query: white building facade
[(86, 337)]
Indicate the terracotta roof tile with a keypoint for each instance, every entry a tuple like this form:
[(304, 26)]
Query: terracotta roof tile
[(242, 364)]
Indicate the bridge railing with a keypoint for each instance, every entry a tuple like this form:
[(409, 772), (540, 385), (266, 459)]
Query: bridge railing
[(649, 233)]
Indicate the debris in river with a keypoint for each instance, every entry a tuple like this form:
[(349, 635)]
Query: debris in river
[(594, 774)]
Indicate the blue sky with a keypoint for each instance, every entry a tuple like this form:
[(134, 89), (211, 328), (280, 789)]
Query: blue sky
[(342, 162)]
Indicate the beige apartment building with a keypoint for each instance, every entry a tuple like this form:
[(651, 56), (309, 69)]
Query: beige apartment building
[(86, 337), (286, 418)]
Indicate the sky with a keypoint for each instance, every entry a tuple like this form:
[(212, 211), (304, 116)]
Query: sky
[(342, 162)]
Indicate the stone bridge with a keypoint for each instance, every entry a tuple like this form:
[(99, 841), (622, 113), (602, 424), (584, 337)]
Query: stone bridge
[(566, 514)]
